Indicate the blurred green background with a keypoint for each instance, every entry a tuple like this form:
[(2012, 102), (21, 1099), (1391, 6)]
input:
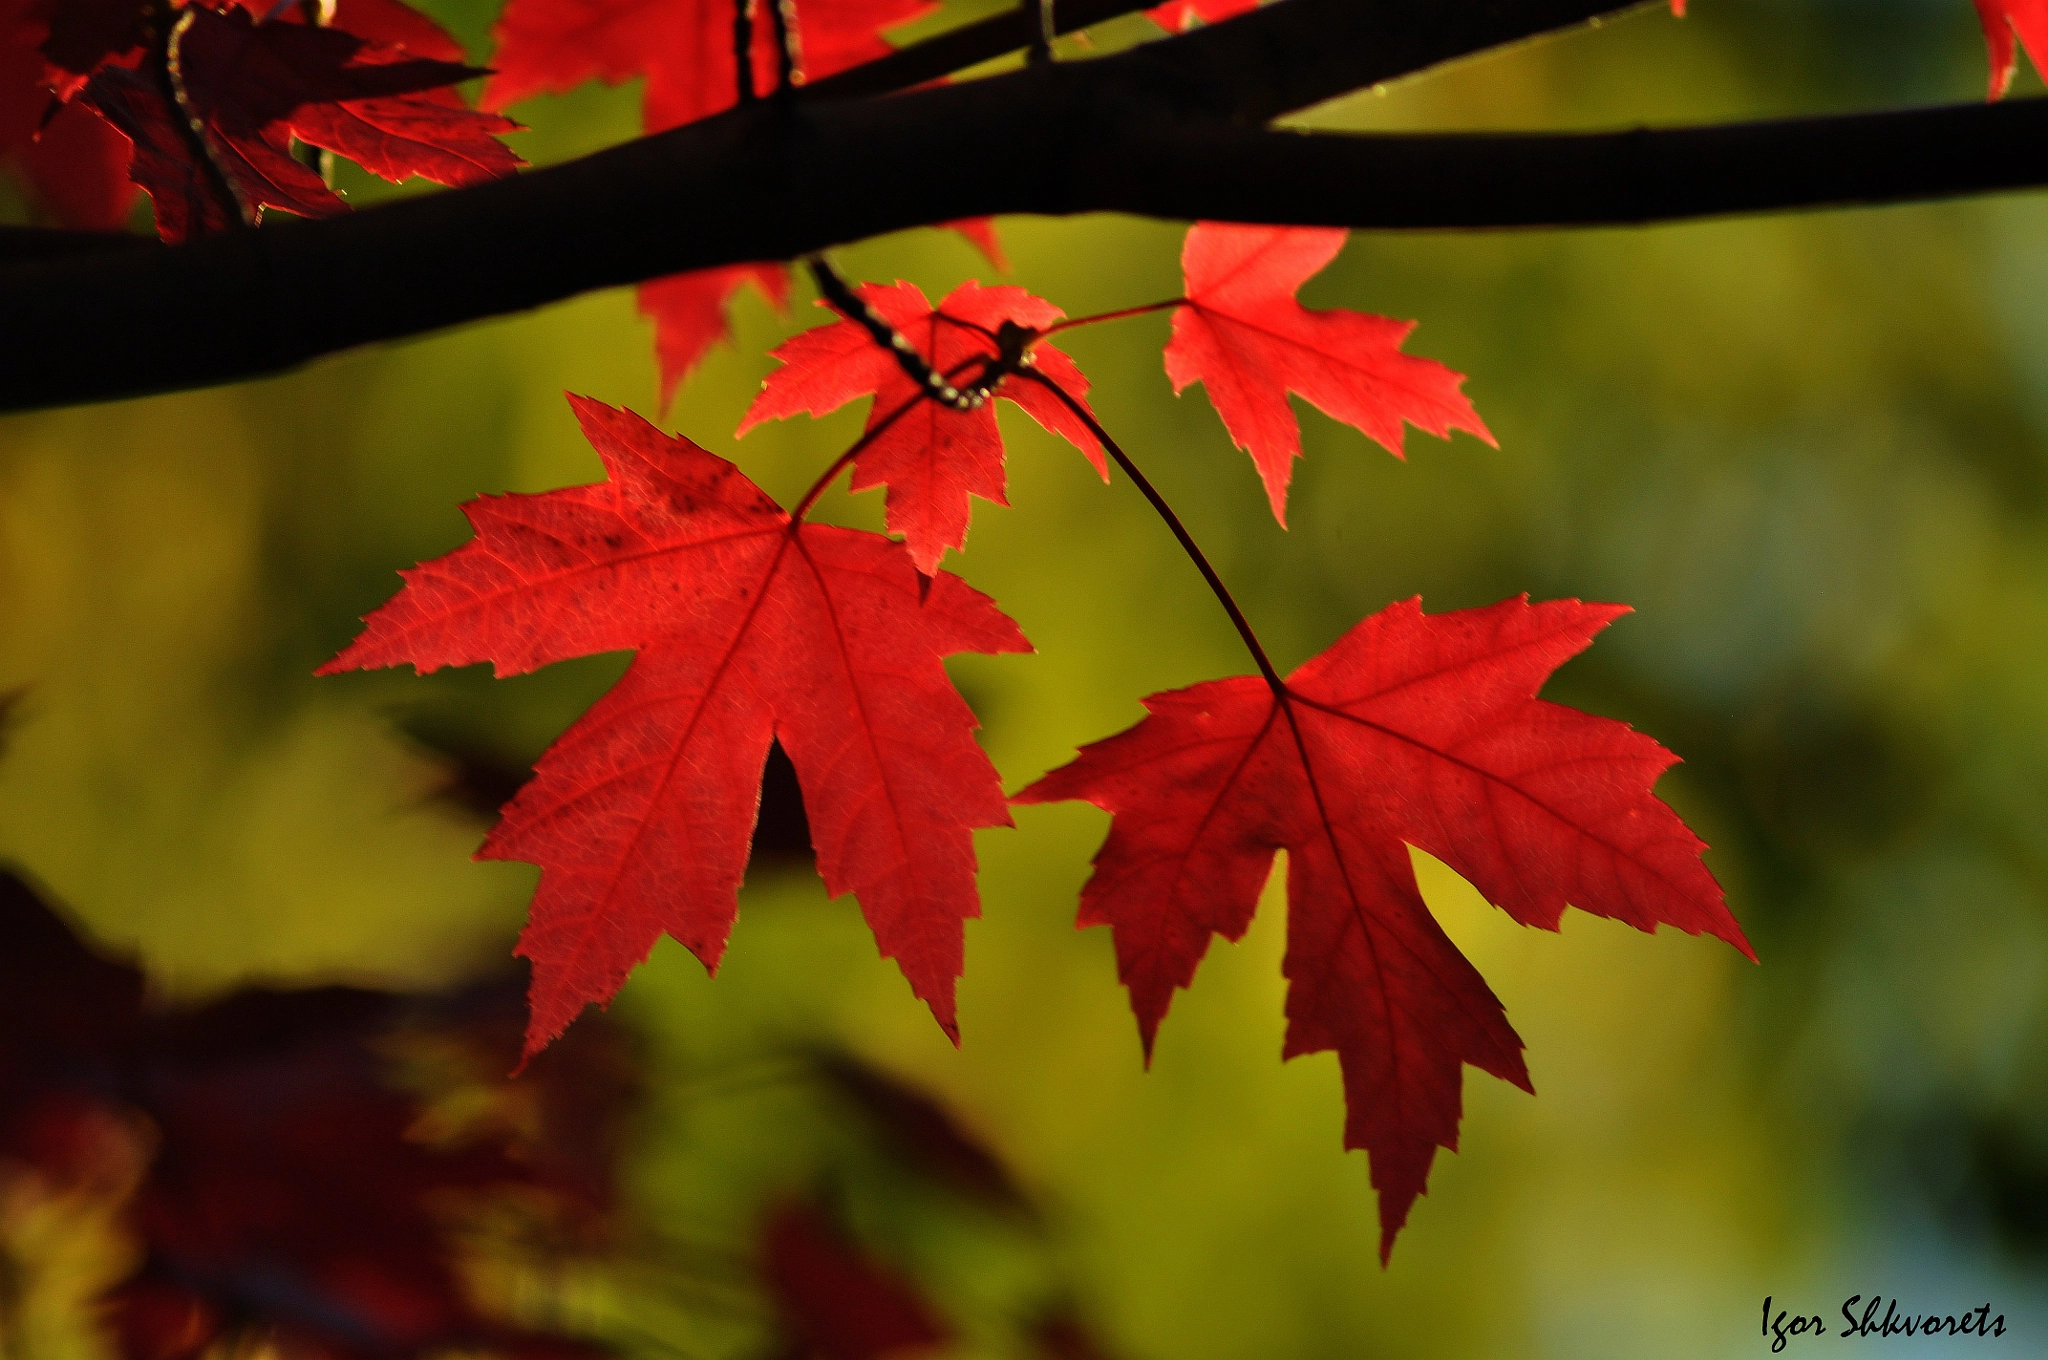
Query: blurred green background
[(1811, 451)]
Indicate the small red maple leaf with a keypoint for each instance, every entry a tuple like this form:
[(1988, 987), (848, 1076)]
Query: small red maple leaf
[(1178, 16), (249, 88), (2001, 20), (1412, 730), (747, 628), (692, 312), (931, 457), (1242, 335), (689, 312)]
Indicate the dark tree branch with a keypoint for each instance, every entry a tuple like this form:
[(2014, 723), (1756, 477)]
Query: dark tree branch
[(34, 243), (1628, 178), (1167, 130)]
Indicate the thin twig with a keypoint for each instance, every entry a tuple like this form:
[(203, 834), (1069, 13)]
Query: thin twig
[(1173, 522), (1117, 315)]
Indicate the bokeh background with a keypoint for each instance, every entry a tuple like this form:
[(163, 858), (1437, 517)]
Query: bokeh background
[(1810, 450)]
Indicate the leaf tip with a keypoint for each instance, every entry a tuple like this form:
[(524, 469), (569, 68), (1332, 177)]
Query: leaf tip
[(1276, 489), (1734, 936)]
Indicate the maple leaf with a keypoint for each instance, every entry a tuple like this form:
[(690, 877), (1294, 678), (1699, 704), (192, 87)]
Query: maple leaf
[(77, 170), (931, 457), (1243, 336), (692, 312), (842, 1304), (2001, 20), (76, 165), (22, 96), (67, 1018), (389, 23), (1411, 730), (81, 36), (252, 87), (1178, 16), (72, 164), (683, 47), (685, 50), (747, 627), (269, 1173)]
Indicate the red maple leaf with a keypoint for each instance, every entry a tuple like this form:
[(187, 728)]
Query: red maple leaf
[(931, 457), (747, 627), (683, 47), (253, 87), (22, 94), (388, 23), (1242, 335), (72, 164), (76, 166), (270, 1172), (1411, 730), (1178, 16), (841, 1303), (689, 312), (2001, 20), (692, 312), (685, 50), (77, 170)]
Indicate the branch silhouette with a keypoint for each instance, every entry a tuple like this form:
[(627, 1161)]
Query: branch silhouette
[(1173, 128)]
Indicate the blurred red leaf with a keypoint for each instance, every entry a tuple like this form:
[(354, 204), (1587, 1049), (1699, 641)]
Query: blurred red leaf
[(267, 1165), (841, 1303)]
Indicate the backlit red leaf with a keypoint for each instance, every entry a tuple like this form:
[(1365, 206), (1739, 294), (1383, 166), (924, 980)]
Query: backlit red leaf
[(77, 169), (689, 312), (931, 457), (1178, 16), (2004, 18), (1411, 730), (683, 47), (22, 93), (254, 87), (692, 312), (389, 23), (1243, 336), (685, 50), (746, 629)]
